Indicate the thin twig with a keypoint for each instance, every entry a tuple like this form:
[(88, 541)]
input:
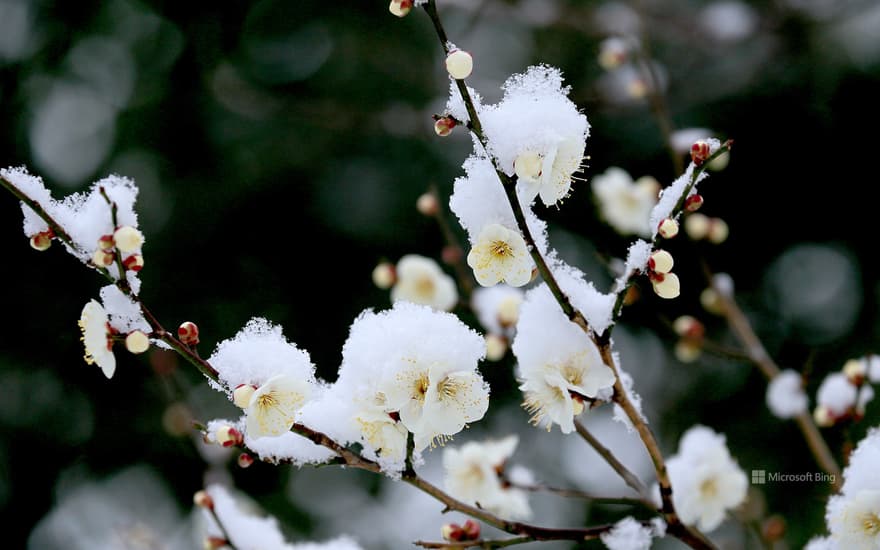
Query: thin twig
[(222, 527), (480, 543), (465, 282), (574, 493), (630, 478)]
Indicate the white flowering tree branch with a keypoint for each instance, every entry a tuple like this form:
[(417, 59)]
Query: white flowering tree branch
[(603, 341)]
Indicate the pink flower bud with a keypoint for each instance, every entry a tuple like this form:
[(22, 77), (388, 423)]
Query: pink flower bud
[(471, 529), (693, 203), (228, 436), (245, 460), (452, 532), (459, 64), (700, 151), (135, 263), (451, 254), (443, 125), (689, 327), (400, 7), (188, 333), (203, 500), (106, 242), (668, 228), (42, 240)]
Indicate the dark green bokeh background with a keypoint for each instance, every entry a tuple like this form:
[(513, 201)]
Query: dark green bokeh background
[(282, 146)]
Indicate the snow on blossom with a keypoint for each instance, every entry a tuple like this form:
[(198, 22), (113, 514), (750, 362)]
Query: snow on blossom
[(124, 314), (597, 307), (837, 394), (455, 106), (97, 338), (421, 281), (472, 475), (786, 397), (418, 366), (249, 531), (630, 534), (536, 124), (500, 255), (707, 480), (273, 407), (558, 364), (637, 257), (497, 307), (671, 194), (626, 204)]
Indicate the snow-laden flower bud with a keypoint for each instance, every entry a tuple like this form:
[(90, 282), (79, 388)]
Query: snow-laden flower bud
[(661, 262), (135, 263), (384, 276), (855, 371), (106, 242), (427, 204), (459, 64), (241, 395), (41, 241), (103, 258), (668, 228), (693, 203), (137, 342), (666, 285), (613, 53), (528, 166), (245, 460), (443, 125), (203, 500), (718, 231), (128, 239), (697, 226), (700, 151), (400, 7), (188, 333), (228, 436), (496, 347)]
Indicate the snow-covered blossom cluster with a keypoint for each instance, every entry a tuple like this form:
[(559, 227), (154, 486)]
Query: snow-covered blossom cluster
[(844, 394)]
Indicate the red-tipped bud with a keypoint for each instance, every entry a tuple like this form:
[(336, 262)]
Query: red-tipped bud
[(668, 228), (693, 203), (106, 242), (102, 258), (427, 204), (42, 240), (188, 333), (384, 275), (203, 500), (660, 262), (700, 151), (773, 529), (245, 460), (135, 263), (855, 370), (689, 327), (451, 254), (214, 543), (400, 7), (228, 436), (452, 532), (471, 529), (443, 125)]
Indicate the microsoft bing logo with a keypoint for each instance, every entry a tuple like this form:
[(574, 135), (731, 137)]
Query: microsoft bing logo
[(759, 477)]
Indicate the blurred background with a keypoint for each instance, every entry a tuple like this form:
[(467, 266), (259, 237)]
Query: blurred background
[(280, 146)]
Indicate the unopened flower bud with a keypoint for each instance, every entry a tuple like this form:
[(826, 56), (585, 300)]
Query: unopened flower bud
[(855, 371), (128, 239), (384, 276), (612, 53), (508, 311), (700, 151), (137, 341), (528, 166), (452, 532), (102, 258), (690, 327), (400, 7), (823, 417), (427, 204), (697, 226), (496, 347), (693, 203), (228, 436), (471, 529), (687, 351), (188, 333), (668, 228), (661, 262), (451, 254), (135, 263), (245, 460), (720, 162), (637, 88), (203, 500), (106, 242), (214, 543), (711, 301), (773, 529), (41, 241), (241, 395), (668, 287), (718, 231), (459, 64), (443, 125)]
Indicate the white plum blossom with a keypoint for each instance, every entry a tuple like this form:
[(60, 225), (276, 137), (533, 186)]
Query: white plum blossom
[(537, 133), (626, 204), (418, 367), (500, 255), (97, 338), (421, 281), (559, 366), (785, 395), (472, 475), (707, 481), (273, 406)]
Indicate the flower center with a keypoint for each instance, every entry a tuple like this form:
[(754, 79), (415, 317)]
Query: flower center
[(573, 375), (708, 488), (267, 400), (871, 524), (448, 388), (421, 387), (501, 249), (425, 286)]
